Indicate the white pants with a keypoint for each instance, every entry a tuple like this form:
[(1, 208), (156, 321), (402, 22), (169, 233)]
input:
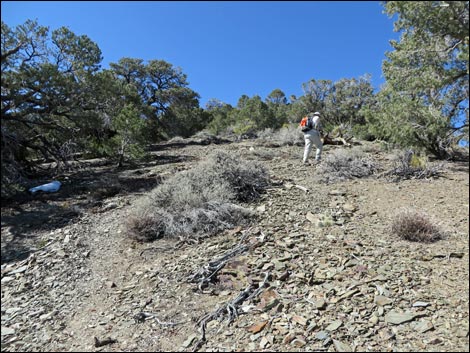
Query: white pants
[(312, 137)]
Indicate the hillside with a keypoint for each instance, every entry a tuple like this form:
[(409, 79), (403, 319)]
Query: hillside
[(72, 278)]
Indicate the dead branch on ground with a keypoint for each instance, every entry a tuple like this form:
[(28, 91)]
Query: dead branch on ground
[(230, 309), (207, 273), (329, 140), (143, 315)]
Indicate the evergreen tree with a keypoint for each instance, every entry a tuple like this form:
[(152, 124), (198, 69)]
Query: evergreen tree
[(424, 103)]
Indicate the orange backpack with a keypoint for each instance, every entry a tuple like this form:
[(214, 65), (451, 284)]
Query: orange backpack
[(305, 124)]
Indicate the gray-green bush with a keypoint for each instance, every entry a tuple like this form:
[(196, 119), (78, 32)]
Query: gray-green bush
[(344, 164), (289, 135), (409, 165), (199, 202)]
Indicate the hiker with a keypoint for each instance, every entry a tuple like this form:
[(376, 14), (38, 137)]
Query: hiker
[(313, 136)]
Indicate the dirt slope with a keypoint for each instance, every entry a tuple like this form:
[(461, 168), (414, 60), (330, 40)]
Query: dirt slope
[(71, 278)]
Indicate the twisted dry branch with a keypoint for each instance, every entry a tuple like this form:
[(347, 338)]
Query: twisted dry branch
[(230, 309), (207, 273)]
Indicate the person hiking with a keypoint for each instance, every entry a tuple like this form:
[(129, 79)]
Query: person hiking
[(312, 135)]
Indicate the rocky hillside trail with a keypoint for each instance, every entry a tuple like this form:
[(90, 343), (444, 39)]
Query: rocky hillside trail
[(318, 270)]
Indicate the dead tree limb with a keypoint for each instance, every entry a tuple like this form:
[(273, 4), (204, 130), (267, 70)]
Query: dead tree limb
[(207, 273), (327, 140), (229, 310), (140, 317), (101, 343), (303, 188)]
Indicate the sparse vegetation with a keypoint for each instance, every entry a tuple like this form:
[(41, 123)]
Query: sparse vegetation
[(409, 165), (286, 136), (415, 226), (199, 202), (342, 165)]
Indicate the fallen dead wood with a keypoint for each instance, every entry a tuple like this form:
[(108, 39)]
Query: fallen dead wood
[(142, 316), (207, 273), (300, 187), (230, 309), (303, 188), (101, 343), (336, 141)]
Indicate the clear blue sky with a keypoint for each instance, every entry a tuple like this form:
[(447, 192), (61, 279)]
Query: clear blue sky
[(230, 48)]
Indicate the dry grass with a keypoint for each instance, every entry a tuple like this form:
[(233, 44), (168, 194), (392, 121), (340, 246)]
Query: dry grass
[(247, 178), (415, 226)]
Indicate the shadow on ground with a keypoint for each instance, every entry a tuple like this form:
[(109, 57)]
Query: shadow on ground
[(25, 216)]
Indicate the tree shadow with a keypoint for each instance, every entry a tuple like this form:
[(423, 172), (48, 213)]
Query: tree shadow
[(27, 216), (24, 225)]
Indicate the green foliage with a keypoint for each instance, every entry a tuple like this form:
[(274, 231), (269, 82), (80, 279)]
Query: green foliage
[(340, 103), (128, 140), (170, 106), (183, 121), (56, 102), (425, 101), (253, 114), (47, 95), (418, 161), (219, 116), (277, 105)]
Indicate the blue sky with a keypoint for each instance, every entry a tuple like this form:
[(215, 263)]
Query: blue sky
[(230, 48)]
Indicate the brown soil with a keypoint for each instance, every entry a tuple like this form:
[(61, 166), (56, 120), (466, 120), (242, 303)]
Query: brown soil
[(71, 275)]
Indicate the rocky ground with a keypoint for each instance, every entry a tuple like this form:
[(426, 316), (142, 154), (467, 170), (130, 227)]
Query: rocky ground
[(330, 276)]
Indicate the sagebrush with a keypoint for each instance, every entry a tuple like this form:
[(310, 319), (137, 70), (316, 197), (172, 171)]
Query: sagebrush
[(344, 164), (200, 202), (409, 165), (286, 136)]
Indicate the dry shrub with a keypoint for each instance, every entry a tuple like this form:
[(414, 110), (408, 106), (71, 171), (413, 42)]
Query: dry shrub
[(190, 223), (192, 189), (198, 203), (206, 138), (286, 136), (409, 165), (416, 226), (177, 140), (344, 164), (247, 178), (104, 187)]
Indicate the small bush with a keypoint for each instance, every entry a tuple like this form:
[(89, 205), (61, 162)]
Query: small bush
[(198, 202), (192, 189), (415, 226), (194, 223), (248, 179), (286, 136), (409, 165), (343, 164)]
